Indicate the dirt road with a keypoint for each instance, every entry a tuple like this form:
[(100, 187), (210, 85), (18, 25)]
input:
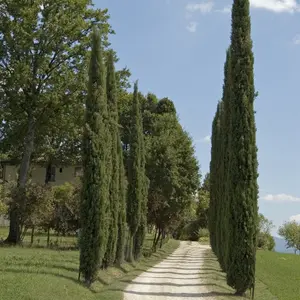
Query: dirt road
[(176, 278)]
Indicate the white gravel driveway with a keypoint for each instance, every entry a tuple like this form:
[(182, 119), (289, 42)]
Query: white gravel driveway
[(176, 278)]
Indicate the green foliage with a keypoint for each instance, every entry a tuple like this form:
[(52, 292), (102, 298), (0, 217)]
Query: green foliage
[(243, 155), (66, 208), (172, 170), (136, 172), (43, 59), (290, 231), (233, 170), (264, 238), (114, 190), (95, 184)]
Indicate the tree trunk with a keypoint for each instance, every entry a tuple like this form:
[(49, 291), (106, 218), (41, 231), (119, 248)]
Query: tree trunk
[(48, 237), (14, 236), (32, 235)]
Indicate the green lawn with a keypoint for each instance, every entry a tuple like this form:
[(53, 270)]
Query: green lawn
[(280, 273), (216, 282), (44, 274), (277, 277)]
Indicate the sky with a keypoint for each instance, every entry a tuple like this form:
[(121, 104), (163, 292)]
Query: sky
[(177, 48)]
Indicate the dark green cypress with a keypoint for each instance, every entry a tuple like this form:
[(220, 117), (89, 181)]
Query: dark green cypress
[(214, 181), (135, 174), (114, 191), (225, 182), (122, 224), (219, 182), (243, 155), (141, 232), (93, 238)]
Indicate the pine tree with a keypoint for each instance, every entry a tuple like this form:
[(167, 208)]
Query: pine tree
[(94, 196), (243, 158), (135, 174), (114, 189)]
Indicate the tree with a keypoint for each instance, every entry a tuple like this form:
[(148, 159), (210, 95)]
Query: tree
[(214, 183), (243, 155), (290, 231), (135, 173), (264, 237), (114, 189), (95, 184), (43, 50), (173, 173)]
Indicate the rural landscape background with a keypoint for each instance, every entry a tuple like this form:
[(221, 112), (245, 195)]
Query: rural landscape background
[(146, 150)]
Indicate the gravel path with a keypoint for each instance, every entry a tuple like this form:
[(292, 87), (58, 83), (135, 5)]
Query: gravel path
[(176, 278)]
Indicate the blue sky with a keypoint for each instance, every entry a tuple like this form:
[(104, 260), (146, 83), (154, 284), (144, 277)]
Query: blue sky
[(176, 48)]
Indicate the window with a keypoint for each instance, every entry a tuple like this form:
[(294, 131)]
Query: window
[(1, 172), (52, 177), (78, 171)]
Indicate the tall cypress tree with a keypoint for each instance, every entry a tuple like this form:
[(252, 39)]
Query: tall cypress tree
[(225, 182), (93, 238), (243, 159), (114, 189), (141, 232), (213, 205), (135, 174), (122, 224)]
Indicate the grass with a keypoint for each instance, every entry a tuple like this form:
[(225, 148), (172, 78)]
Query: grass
[(280, 273), (216, 281), (44, 274)]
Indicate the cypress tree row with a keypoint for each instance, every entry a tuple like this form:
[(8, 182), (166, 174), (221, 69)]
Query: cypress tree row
[(94, 195), (135, 173), (243, 159), (114, 189)]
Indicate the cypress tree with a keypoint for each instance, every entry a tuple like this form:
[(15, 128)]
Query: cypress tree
[(122, 224), (243, 155), (225, 182), (214, 182), (94, 195), (135, 174), (114, 191), (219, 182), (141, 232)]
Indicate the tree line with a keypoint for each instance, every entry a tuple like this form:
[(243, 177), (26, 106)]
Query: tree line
[(61, 100), (233, 208)]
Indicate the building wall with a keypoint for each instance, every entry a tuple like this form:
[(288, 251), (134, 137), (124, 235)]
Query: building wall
[(62, 174)]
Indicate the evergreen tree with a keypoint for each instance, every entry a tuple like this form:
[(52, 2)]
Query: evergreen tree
[(141, 232), (122, 224), (94, 196), (114, 189), (224, 164), (135, 174), (243, 155), (214, 181)]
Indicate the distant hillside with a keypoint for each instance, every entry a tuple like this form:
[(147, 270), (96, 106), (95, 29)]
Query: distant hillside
[(280, 246)]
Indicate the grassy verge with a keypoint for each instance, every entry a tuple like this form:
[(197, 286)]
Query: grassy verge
[(216, 281), (44, 274), (280, 273)]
